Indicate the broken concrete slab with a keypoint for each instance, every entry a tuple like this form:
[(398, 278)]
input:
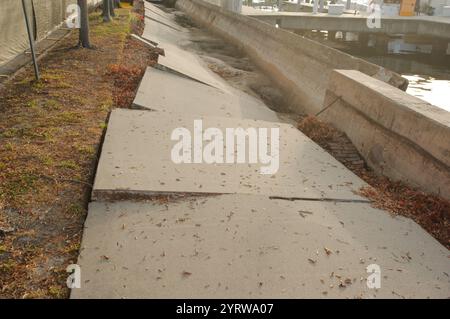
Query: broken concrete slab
[(170, 36), (156, 9), (190, 65), (136, 161), (162, 33), (247, 246), (156, 92), (158, 15), (152, 45)]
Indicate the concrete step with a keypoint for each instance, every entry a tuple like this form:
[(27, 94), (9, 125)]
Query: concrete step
[(168, 92), (161, 31), (136, 161), (247, 246)]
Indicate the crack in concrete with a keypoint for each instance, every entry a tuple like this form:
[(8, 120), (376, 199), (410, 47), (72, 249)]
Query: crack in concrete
[(337, 200)]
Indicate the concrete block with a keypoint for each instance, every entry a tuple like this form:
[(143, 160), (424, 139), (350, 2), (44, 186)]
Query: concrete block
[(136, 161), (168, 92), (168, 20), (247, 246), (190, 65), (162, 34), (399, 135)]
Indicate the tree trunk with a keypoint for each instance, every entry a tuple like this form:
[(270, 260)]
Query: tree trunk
[(84, 25), (112, 5), (106, 11)]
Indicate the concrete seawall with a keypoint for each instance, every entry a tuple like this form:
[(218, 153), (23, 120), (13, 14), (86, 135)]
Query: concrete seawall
[(300, 66), (399, 135)]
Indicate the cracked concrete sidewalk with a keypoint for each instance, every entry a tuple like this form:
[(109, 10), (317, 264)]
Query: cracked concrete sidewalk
[(301, 233)]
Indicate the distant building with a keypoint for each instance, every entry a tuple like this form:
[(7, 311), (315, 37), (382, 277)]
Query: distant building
[(437, 5)]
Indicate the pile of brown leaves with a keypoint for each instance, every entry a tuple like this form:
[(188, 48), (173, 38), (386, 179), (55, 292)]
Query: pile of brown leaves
[(136, 57), (320, 132), (430, 211), (126, 80)]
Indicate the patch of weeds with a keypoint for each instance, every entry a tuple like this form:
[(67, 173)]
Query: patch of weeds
[(55, 78), (47, 160), (106, 105), (3, 249), (16, 132), (69, 164), (49, 135), (19, 185), (85, 149), (79, 100), (52, 105), (2, 166), (68, 117), (52, 75), (56, 291), (75, 208), (11, 132), (33, 104), (103, 125), (9, 146), (35, 294), (38, 86), (119, 26), (73, 248), (25, 81), (62, 85), (7, 266)]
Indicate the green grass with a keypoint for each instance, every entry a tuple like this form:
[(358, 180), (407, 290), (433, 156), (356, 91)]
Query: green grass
[(69, 164), (118, 26)]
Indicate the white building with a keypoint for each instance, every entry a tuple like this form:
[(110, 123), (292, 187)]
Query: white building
[(438, 6)]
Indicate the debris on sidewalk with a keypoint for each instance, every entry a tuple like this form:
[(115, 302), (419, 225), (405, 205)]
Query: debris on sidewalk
[(430, 211)]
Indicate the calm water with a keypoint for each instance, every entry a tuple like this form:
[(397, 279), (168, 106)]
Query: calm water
[(429, 78), (436, 92)]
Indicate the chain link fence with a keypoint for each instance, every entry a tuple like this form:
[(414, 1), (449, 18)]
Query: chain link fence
[(45, 16)]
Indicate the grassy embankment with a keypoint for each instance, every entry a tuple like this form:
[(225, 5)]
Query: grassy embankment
[(50, 133)]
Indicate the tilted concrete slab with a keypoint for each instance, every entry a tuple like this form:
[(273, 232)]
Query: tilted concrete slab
[(167, 92), (170, 36), (162, 33), (136, 160), (154, 8), (247, 246), (154, 13), (190, 65)]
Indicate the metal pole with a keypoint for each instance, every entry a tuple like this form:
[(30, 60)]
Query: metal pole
[(30, 38)]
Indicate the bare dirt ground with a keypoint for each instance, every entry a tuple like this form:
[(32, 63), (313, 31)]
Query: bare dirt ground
[(50, 136)]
